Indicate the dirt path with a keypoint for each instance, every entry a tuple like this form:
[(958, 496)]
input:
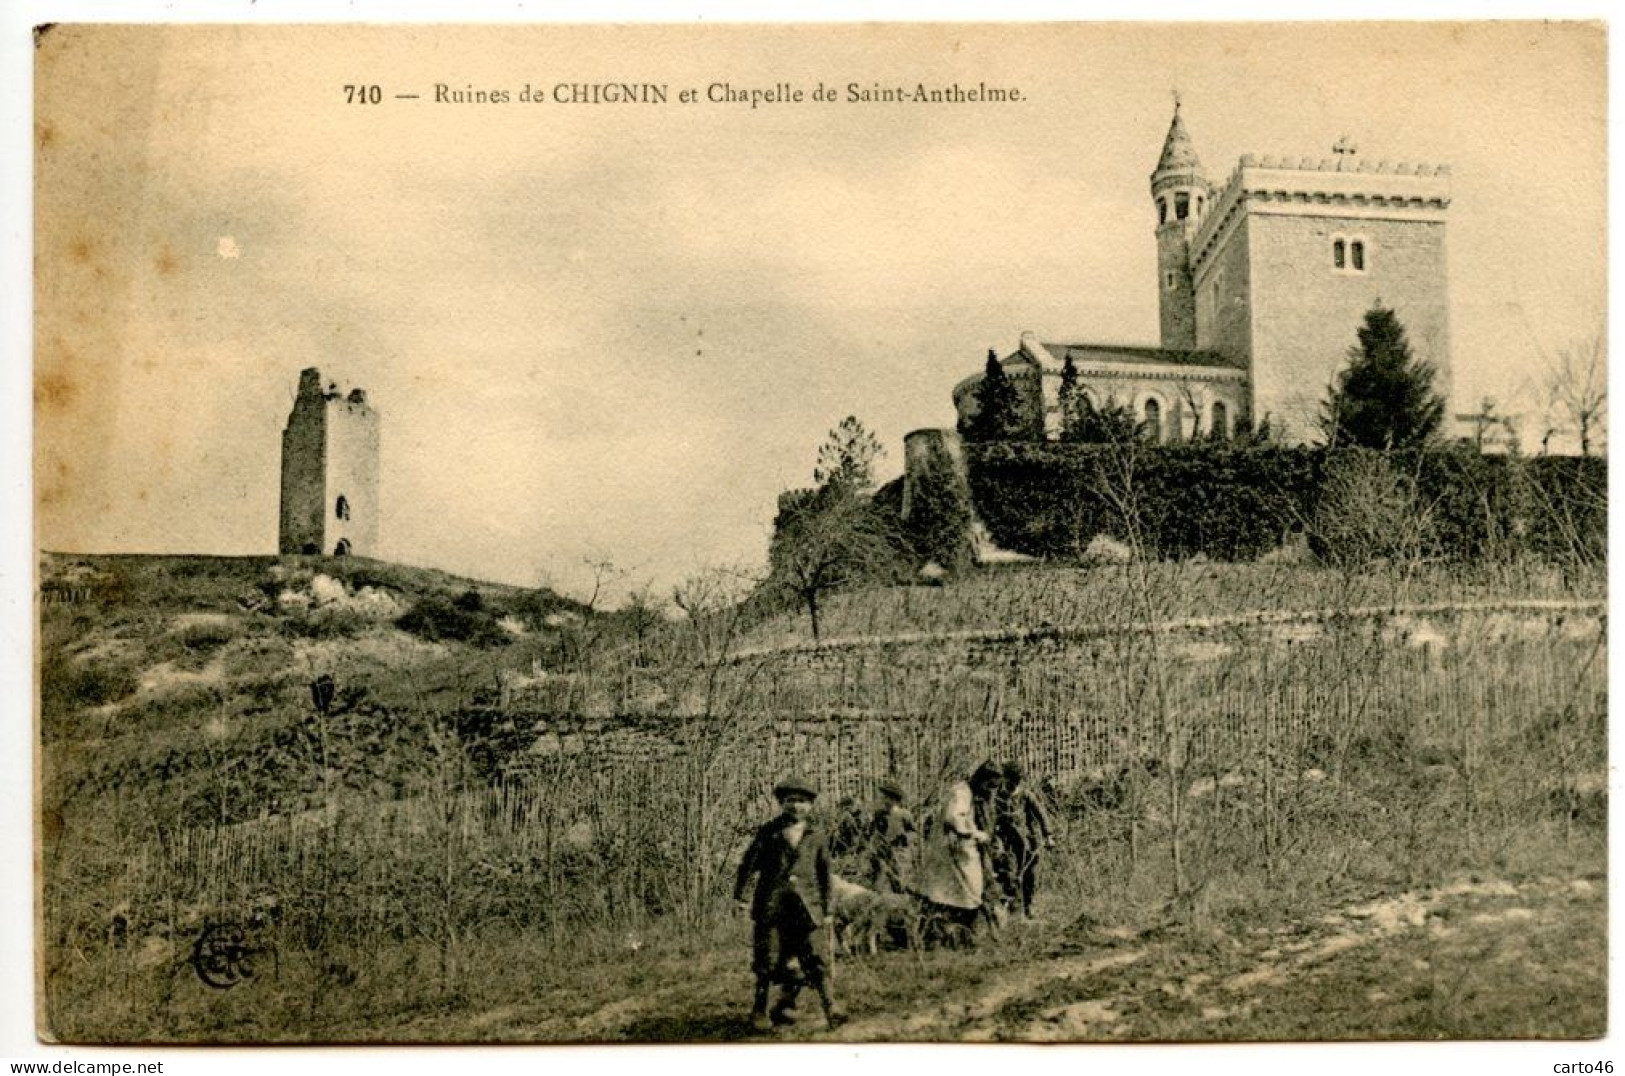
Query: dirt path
[(1474, 946), (1476, 959)]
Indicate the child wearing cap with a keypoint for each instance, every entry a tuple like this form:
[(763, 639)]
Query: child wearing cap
[(789, 859), (890, 833)]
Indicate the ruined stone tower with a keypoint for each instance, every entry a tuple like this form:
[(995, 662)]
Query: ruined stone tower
[(329, 472)]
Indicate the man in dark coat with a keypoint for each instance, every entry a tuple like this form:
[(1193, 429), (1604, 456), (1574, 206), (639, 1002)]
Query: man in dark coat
[(1026, 832), (789, 858)]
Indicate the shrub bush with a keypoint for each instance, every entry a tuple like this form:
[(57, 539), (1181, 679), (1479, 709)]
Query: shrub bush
[(1231, 503), (1236, 502), (328, 622), (72, 684), (464, 619)]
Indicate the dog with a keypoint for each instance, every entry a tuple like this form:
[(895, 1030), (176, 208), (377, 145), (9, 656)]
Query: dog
[(865, 920)]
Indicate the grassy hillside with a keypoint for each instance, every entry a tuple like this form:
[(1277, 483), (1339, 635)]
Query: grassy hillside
[(1212, 791), (156, 672)]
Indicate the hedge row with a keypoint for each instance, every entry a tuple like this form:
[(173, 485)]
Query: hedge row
[(1237, 502)]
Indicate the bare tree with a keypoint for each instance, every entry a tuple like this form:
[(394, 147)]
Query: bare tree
[(714, 608), (1370, 511), (1576, 391), (830, 539), (644, 612), (1152, 598), (580, 634), (1194, 409)]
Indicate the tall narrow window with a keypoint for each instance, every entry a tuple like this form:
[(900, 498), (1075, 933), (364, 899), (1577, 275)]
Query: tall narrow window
[(1220, 425), (1357, 256), (1339, 254), (1168, 281), (343, 548), (342, 508), (1162, 211), (1153, 420), (1182, 205)]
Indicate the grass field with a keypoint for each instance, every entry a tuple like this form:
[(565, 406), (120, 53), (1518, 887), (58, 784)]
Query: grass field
[(1258, 825)]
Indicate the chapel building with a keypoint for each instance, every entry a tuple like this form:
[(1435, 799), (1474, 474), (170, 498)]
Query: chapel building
[(1263, 283)]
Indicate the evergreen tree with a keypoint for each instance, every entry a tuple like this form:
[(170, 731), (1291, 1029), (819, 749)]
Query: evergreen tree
[(847, 457), (1384, 397), (1069, 397), (998, 407)]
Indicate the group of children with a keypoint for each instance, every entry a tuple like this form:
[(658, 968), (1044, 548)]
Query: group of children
[(978, 855)]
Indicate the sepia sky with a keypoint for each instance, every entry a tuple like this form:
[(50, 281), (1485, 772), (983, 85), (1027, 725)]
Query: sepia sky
[(618, 331)]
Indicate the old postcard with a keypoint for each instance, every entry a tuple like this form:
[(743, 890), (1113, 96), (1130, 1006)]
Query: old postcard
[(795, 533)]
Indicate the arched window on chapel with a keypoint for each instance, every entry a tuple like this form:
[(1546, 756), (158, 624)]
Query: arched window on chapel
[(1153, 420)]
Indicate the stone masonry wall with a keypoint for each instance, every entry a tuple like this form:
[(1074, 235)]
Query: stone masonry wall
[(304, 458), (352, 472), (1177, 305), (1306, 314), (1224, 320)]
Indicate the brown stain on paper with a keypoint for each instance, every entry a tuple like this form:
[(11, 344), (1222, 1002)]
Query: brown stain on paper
[(55, 390)]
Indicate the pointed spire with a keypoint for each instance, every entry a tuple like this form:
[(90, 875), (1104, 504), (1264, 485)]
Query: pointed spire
[(1177, 150)]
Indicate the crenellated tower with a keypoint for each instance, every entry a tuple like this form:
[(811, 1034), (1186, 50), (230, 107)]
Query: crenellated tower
[(1180, 193)]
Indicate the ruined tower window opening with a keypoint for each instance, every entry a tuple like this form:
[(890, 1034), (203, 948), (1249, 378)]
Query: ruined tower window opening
[(342, 508), (1162, 211), (1169, 280), (1153, 419), (1182, 205), (1357, 256), (343, 548), (1339, 254), (1219, 424)]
